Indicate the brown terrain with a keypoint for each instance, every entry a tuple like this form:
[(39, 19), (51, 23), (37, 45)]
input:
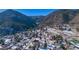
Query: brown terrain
[(60, 17)]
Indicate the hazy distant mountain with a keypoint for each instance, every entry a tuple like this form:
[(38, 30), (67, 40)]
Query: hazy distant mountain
[(12, 21), (38, 19), (64, 16)]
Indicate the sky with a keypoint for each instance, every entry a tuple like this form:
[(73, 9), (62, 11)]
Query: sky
[(33, 12), (36, 12)]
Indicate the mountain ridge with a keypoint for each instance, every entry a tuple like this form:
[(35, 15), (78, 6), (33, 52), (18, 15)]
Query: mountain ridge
[(13, 21), (64, 16)]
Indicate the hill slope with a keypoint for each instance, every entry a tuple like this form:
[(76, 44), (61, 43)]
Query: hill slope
[(59, 17), (12, 21)]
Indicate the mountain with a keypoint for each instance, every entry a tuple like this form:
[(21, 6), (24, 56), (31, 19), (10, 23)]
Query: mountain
[(12, 21), (75, 22), (38, 19), (63, 16)]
